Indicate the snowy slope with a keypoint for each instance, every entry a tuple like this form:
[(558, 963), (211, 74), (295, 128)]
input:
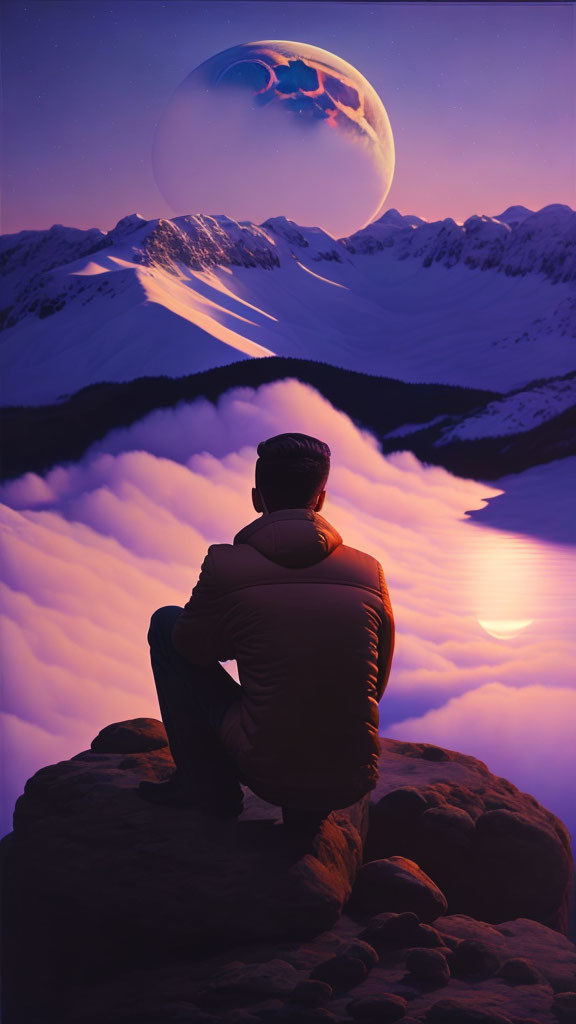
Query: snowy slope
[(25, 255), (514, 215), (489, 303), (515, 413), (518, 411), (516, 242)]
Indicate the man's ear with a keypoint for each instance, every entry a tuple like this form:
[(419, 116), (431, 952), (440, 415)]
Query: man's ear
[(256, 500), (320, 501)]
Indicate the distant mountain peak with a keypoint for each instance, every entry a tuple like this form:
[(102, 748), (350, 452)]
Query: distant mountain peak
[(514, 215), (560, 208), (279, 219), (391, 216), (128, 224)]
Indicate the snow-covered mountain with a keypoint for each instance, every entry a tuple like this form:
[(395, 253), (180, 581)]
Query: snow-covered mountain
[(520, 410), (489, 303), (516, 242), (499, 434)]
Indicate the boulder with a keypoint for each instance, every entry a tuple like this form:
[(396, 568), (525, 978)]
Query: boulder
[(234, 1017), (133, 737), (296, 1015), (474, 958), (428, 966), (399, 931), (275, 978), (564, 1007), (341, 972), (383, 1009), (364, 952), (311, 993), (494, 851), (519, 971), (396, 884), (455, 1011)]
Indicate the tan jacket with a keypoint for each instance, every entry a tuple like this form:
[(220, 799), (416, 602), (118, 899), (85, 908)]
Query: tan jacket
[(310, 623)]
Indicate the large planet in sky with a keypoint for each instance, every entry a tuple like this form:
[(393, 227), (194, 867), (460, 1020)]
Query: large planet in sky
[(276, 128)]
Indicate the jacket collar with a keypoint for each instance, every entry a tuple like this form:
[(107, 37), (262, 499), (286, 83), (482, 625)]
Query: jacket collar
[(293, 537)]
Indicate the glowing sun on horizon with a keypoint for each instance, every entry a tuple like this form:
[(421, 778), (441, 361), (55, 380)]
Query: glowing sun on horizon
[(505, 629)]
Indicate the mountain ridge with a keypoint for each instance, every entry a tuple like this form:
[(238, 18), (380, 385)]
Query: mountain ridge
[(488, 302), (516, 223)]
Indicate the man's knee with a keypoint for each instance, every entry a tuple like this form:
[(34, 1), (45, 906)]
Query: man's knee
[(162, 621)]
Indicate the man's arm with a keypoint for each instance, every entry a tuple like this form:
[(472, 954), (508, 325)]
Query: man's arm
[(386, 637), (199, 633)]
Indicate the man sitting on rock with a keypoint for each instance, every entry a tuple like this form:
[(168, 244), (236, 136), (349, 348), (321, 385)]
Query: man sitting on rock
[(309, 622)]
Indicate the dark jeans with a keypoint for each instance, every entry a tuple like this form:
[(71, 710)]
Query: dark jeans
[(193, 700)]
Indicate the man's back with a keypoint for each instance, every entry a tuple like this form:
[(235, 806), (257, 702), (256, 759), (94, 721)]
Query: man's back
[(309, 621)]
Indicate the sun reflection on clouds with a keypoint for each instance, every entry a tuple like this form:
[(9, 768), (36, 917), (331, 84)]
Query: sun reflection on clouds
[(507, 581), (505, 629)]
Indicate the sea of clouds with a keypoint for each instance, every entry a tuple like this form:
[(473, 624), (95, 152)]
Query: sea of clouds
[(92, 548)]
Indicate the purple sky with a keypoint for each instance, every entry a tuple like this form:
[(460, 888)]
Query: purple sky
[(481, 97)]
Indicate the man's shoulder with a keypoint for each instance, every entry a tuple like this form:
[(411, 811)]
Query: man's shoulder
[(361, 569), (359, 555), (361, 563), (220, 552), (223, 556)]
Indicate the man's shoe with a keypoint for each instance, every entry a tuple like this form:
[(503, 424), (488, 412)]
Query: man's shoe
[(170, 794), (176, 793), (224, 807)]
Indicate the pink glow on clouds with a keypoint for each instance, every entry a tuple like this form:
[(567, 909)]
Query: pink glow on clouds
[(93, 548), (523, 733)]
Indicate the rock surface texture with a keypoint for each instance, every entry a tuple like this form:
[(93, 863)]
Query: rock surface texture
[(123, 911), (166, 877), (495, 852)]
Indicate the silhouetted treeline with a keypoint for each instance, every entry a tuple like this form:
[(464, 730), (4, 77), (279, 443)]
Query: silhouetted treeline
[(34, 438)]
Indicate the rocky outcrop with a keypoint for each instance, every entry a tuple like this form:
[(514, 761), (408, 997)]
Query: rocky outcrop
[(125, 911), (87, 849), (495, 852)]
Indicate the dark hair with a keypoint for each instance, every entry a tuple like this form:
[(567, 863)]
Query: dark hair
[(291, 470)]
